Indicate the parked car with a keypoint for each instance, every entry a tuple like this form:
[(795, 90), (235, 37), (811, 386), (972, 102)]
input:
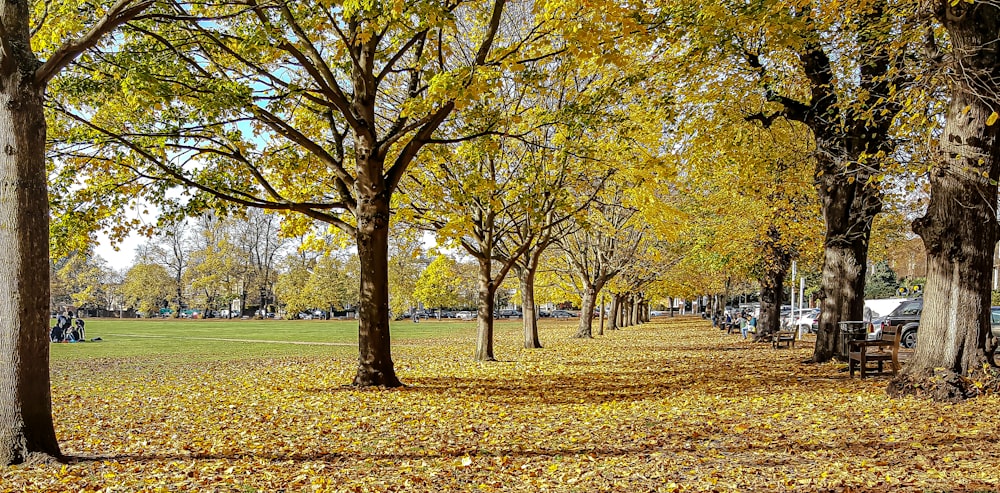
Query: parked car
[(508, 314), (465, 315), (808, 322), (560, 314), (789, 320), (905, 318), (995, 321)]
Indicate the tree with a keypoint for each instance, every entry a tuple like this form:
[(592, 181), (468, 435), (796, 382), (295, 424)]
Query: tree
[(290, 288), (332, 282), (882, 281), (26, 430), (603, 243), (171, 248), (77, 280), (837, 69), (339, 96), (439, 283), (147, 287), (959, 229), (216, 264), (260, 242), (406, 262)]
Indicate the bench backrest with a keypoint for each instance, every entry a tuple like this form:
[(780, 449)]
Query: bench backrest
[(891, 334)]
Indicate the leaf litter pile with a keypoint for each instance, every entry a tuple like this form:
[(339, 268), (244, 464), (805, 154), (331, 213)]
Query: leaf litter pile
[(672, 405)]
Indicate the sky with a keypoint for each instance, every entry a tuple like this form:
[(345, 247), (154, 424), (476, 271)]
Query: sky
[(122, 259)]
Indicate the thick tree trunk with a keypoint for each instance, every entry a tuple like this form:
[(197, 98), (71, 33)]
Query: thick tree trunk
[(26, 429), (959, 229), (671, 306), (636, 307), (584, 331), (375, 367), (772, 286), (484, 332), (770, 305), (843, 271), (530, 317)]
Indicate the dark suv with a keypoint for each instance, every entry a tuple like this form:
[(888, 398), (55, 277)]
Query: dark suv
[(906, 318)]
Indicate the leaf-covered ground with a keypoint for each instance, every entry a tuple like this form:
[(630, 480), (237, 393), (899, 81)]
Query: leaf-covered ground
[(673, 405)]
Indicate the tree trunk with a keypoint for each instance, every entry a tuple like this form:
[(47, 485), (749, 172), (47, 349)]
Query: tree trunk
[(671, 307), (26, 429), (529, 315), (844, 271), (772, 286), (636, 306), (769, 321), (613, 312), (959, 229), (587, 313), (375, 367), (484, 333)]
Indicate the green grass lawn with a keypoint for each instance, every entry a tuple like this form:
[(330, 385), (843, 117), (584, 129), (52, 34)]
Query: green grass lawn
[(206, 340)]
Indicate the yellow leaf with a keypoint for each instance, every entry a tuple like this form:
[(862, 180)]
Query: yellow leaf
[(992, 119)]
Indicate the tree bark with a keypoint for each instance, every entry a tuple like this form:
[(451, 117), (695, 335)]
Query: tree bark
[(587, 313), (484, 332), (528, 312), (772, 285), (375, 366), (770, 304), (843, 270), (613, 312), (959, 229), (26, 429)]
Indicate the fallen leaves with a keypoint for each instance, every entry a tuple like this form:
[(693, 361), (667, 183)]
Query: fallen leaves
[(668, 406)]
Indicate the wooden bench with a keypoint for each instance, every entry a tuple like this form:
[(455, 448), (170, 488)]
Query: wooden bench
[(879, 351), (786, 337)]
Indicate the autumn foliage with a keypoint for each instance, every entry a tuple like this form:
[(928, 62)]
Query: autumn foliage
[(672, 405)]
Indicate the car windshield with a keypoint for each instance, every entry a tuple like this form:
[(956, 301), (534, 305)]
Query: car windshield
[(912, 308)]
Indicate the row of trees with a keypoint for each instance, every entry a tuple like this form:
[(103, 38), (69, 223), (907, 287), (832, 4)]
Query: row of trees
[(651, 132), (212, 265)]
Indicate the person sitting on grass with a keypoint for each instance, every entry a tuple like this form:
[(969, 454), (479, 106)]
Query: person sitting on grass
[(78, 332), (56, 334)]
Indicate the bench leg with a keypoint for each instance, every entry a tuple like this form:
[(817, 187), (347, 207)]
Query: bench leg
[(850, 366)]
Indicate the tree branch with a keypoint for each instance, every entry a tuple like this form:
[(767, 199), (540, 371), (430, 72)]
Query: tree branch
[(120, 13)]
